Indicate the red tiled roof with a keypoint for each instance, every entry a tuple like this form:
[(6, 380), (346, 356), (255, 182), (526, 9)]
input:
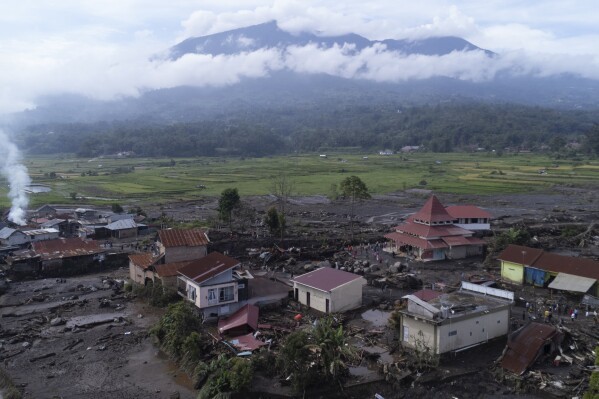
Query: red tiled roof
[(520, 255), (417, 242), (246, 315), (433, 211), (170, 269), (567, 264), (523, 346), (183, 238), (205, 268), (326, 278), (144, 260), (467, 211), (66, 248)]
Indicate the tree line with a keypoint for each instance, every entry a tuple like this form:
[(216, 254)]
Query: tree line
[(308, 128)]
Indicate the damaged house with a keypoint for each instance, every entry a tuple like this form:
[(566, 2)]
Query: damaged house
[(455, 321), (528, 344), (533, 266), (433, 233)]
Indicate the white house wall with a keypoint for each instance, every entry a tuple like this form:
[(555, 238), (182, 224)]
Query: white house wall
[(474, 226), (347, 296), (410, 333), (225, 277), (317, 297), (467, 332)]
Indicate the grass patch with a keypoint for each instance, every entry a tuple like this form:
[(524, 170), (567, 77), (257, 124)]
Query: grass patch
[(158, 180)]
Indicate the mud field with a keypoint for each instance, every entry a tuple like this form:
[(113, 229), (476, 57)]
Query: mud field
[(83, 338)]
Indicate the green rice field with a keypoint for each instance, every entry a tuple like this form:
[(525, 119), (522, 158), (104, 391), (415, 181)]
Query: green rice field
[(155, 180)]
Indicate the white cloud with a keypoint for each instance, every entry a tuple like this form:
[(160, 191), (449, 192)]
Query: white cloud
[(107, 49)]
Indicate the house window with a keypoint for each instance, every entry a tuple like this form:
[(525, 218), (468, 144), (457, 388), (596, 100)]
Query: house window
[(406, 333), (226, 294), (212, 296), (191, 293), (454, 332)]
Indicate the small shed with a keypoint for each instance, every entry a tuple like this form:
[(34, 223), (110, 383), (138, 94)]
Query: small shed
[(124, 228), (243, 321), (329, 290)]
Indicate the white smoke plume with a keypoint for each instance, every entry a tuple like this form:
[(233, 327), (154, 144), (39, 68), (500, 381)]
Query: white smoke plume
[(18, 179)]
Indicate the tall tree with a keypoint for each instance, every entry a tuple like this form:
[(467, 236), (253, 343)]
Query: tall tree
[(229, 200), (355, 189), (282, 187)]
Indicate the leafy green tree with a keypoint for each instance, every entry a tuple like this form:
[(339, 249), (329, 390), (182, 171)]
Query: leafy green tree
[(355, 189), (176, 326), (294, 360), (593, 391), (229, 200), (272, 220), (330, 344), (117, 208)]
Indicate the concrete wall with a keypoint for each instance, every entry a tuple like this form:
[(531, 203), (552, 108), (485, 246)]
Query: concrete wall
[(125, 233), (179, 254), (317, 298), (467, 332), (512, 271), (136, 273), (348, 296), (410, 333)]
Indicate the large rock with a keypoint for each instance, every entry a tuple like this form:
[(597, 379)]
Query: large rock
[(57, 321)]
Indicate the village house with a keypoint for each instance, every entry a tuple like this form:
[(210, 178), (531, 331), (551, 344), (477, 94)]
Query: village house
[(68, 255), (123, 228), (454, 321), (533, 266), (178, 245), (139, 267), (329, 290), (45, 211), (12, 237), (210, 285), (470, 217), (432, 234)]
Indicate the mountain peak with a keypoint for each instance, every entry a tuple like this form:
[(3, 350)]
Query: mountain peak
[(269, 35)]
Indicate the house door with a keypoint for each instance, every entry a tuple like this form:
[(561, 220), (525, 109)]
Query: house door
[(296, 294), (307, 299), (326, 306)]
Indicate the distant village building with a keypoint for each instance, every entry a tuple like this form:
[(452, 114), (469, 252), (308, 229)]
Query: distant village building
[(410, 148), (45, 211), (386, 152), (433, 233), (123, 228), (178, 245), (15, 237), (534, 266), (329, 290), (449, 322)]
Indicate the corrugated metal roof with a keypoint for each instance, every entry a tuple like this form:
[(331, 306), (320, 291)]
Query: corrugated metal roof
[(246, 315), (524, 345), (6, 232), (569, 282), (246, 342), (40, 232), (122, 224), (326, 278), (467, 211), (66, 247), (520, 255), (144, 260), (183, 238), (567, 264), (170, 269), (205, 268)]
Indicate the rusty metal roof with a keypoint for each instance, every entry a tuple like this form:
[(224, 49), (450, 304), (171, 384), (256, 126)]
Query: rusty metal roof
[(246, 315), (432, 211), (66, 248), (183, 238), (525, 345), (205, 268), (170, 269), (520, 255), (143, 260)]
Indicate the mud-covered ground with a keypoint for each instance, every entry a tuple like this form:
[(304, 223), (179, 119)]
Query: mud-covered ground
[(49, 347)]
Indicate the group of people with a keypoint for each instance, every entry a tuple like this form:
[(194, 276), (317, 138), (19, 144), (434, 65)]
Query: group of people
[(556, 308)]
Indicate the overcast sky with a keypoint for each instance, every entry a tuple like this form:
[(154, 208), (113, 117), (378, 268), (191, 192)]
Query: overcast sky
[(103, 48)]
